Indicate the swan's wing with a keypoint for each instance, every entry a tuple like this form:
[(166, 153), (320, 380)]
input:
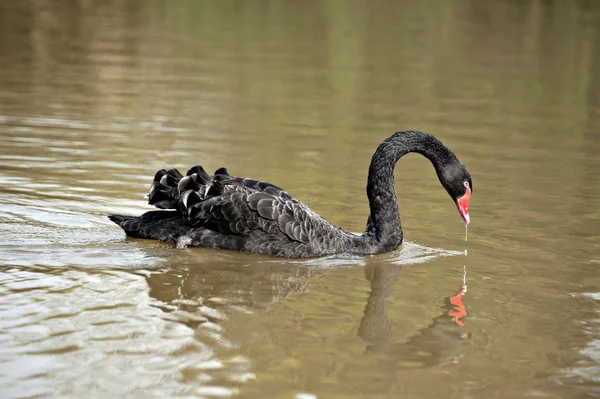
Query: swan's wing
[(231, 205), (232, 208), (167, 185)]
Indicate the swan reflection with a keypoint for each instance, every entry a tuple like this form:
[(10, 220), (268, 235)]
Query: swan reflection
[(429, 346), (219, 295)]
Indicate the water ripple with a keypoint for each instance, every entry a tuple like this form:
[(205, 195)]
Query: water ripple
[(58, 326)]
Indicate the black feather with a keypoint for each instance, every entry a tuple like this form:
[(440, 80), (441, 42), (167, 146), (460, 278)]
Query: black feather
[(222, 171), (199, 170)]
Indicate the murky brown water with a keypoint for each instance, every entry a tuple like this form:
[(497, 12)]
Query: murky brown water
[(96, 96)]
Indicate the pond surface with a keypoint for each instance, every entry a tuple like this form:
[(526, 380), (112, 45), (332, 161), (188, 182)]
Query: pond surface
[(97, 96)]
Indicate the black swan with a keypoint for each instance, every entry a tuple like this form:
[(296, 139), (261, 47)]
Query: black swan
[(248, 215)]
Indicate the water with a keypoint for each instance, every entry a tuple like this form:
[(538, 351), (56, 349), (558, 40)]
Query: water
[(94, 98)]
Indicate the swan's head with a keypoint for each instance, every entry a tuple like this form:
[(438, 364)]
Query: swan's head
[(457, 181)]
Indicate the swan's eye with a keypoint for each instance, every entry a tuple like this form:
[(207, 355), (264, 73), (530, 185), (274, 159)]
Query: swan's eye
[(466, 184)]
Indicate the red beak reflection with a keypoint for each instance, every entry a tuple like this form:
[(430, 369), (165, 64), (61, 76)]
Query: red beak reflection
[(463, 206)]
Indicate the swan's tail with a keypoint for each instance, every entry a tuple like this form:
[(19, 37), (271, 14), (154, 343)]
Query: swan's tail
[(157, 225), (171, 190), (129, 224)]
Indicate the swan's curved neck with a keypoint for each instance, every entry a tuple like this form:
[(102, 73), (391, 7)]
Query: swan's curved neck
[(384, 229)]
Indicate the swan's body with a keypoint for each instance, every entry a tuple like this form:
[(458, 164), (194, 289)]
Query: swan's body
[(252, 216)]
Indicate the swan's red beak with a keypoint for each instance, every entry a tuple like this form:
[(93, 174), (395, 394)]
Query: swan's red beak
[(463, 206)]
